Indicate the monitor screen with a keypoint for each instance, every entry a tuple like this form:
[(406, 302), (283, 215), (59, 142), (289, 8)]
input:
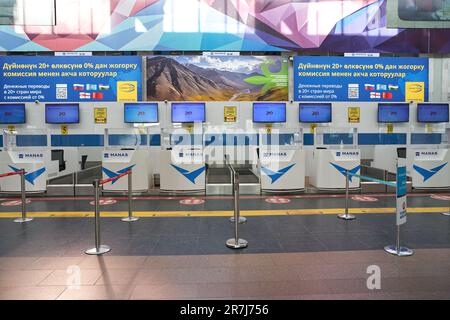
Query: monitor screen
[(62, 113), (13, 113), (315, 112), (432, 112), (269, 112), (140, 113), (393, 112), (185, 112)]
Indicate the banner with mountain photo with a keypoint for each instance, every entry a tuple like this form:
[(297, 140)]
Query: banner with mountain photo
[(217, 78)]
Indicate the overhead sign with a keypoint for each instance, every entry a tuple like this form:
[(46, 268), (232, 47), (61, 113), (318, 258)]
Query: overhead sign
[(61, 79), (360, 79)]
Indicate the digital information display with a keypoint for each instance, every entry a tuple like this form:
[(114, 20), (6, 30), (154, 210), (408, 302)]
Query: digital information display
[(269, 112), (12, 113), (315, 112), (393, 112), (62, 113), (184, 112), (141, 113), (436, 112)]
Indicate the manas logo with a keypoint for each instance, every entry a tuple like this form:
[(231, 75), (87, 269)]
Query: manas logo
[(127, 87)]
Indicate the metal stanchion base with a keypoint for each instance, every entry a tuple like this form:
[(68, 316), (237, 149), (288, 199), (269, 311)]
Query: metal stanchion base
[(241, 219), (404, 252), (346, 216), (21, 220), (130, 219), (446, 213), (241, 243), (101, 250)]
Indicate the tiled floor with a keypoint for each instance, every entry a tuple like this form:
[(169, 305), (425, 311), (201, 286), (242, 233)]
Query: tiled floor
[(311, 275), (314, 256)]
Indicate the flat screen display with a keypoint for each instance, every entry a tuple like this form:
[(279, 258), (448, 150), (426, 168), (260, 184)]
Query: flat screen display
[(393, 112), (13, 113), (64, 113), (185, 112), (269, 112), (432, 112), (315, 112), (141, 113)]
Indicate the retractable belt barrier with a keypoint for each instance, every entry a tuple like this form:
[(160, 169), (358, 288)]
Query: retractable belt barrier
[(99, 248), (22, 173), (396, 249)]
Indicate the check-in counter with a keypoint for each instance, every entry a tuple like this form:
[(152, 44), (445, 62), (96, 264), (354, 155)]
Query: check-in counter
[(330, 166), (431, 168), (116, 161)]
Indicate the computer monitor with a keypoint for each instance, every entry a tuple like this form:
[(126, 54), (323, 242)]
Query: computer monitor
[(140, 113), (188, 112), (12, 113), (432, 112), (393, 112), (62, 113), (315, 112), (264, 112)]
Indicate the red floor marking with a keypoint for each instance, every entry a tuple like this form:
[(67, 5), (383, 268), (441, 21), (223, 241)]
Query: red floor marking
[(14, 203), (364, 198), (104, 202), (440, 197), (192, 201), (277, 200)]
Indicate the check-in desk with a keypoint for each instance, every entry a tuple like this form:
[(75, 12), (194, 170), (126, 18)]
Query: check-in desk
[(34, 159), (431, 168), (334, 154), (281, 163), (182, 163), (124, 151)]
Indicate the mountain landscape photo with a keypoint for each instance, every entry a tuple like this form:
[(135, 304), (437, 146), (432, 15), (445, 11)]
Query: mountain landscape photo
[(211, 78)]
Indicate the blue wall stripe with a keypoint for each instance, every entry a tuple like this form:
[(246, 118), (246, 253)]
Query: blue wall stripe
[(96, 140)]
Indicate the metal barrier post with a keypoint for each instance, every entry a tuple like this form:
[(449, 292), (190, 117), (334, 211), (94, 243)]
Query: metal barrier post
[(130, 217), (346, 216), (99, 249), (397, 249), (24, 218), (236, 243)]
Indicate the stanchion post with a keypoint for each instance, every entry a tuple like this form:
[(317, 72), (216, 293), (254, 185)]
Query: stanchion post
[(236, 242), (99, 248), (130, 217), (347, 216), (24, 218)]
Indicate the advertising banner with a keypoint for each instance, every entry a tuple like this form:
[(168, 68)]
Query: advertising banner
[(217, 78), (418, 14), (360, 79), (63, 79)]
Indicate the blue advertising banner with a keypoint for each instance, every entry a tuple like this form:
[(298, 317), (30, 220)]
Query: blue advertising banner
[(360, 79), (61, 79)]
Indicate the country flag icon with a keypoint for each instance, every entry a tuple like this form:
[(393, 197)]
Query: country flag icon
[(85, 95), (381, 87), (387, 95), (91, 87), (78, 87), (369, 87), (97, 95), (103, 87), (392, 87), (375, 95)]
